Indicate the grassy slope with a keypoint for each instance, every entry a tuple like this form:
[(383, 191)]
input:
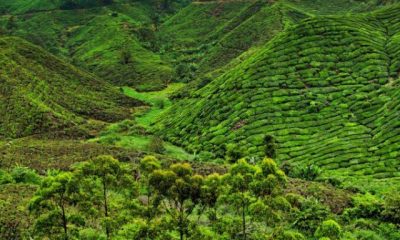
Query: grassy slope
[(326, 89), (136, 133), (41, 92)]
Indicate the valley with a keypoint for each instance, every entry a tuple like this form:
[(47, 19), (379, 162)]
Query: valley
[(179, 119)]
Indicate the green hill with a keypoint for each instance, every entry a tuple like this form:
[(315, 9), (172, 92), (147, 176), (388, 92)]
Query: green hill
[(40, 92), (326, 90), (115, 42)]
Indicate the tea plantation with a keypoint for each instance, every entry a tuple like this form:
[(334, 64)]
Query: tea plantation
[(326, 91), (200, 120)]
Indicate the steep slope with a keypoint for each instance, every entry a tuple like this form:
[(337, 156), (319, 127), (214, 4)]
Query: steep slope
[(115, 42), (40, 92), (325, 90), (206, 36)]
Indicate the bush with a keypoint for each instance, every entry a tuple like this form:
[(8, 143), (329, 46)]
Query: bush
[(156, 145), (5, 177), (365, 206), (362, 235), (91, 234), (310, 172), (159, 103), (134, 230), (391, 211), (311, 214), (329, 228), (287, 235), (25, 175), (233, 152)]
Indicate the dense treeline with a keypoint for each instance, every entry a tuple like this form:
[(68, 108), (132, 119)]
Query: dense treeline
[(108, 199)]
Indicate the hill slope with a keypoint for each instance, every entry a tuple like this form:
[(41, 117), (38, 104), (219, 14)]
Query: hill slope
[(40, 92), (115, 42), (326, 90)]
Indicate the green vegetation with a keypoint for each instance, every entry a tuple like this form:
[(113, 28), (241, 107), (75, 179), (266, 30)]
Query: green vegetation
[(107, 199), (199, 120), (325, 91), (36, 99)]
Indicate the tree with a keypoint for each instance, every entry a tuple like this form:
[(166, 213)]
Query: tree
[(110, 173), (240, 179), (58, 192), (270, 146), (126, 56), (210, 193), (181, 191), (268, 179), (148, 165)]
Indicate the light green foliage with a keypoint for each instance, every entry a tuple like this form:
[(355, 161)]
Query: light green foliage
[(5, 177), (110, 174), (365, 205), (210, 193), (310, 172), (91, 234), (134, 230), (149, 164), (52, 204), (322, 88), (182, 192), (330, 229), (25, 175), (288, 235)]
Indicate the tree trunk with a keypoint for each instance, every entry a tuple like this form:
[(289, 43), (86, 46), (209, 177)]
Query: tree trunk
[(181, 233), (244, 219), (64, 218), (106, 207)]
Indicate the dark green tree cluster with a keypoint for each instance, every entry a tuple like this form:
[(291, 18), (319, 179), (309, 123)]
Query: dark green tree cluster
[(75, 4)]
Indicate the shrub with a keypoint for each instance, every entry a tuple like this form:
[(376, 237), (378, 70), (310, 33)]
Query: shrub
[(362, 235), (134, 230), (25, 175), (310, 172), (287, 235), (270, 146), (311, 214), (233, 152), (204, 233), (391, 211), (159, 103), (91, 234), (294, 199), (5, 177), (329, 228), (365, 206), (156, 145)]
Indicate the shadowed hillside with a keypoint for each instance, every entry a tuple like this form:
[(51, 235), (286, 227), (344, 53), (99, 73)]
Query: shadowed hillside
[(40, 92), (115, 41)]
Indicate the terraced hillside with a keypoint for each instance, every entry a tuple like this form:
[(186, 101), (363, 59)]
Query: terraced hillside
[(226, 32), (325, 90), (39, 92)]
